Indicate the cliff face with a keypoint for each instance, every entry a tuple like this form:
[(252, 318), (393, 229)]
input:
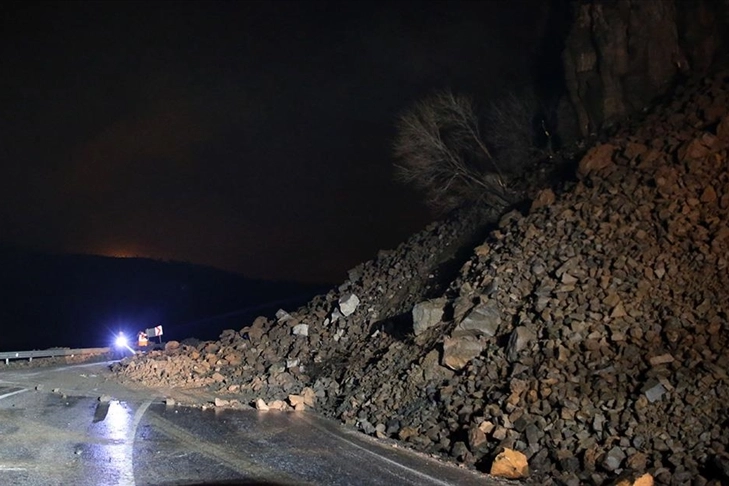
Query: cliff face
[(621, 54)]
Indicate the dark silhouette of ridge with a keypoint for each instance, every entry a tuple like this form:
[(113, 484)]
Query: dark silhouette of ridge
[(50, 300)]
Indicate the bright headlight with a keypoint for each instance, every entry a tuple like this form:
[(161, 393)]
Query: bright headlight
[(121, 341)]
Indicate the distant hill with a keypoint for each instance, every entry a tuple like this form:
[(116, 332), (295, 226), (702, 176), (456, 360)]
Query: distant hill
[(82, 300)]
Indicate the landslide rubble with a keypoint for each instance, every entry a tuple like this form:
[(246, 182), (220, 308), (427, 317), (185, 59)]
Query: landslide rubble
[(589, 335)]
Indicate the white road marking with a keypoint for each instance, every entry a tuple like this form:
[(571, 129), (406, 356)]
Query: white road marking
[(14, 393), (389, 461), (126, 473)]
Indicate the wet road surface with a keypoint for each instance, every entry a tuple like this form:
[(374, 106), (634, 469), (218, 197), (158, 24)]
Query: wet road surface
[(54, 430)]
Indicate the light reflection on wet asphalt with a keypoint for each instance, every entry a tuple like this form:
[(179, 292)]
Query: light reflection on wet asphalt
[(48, 438), (112, 427)]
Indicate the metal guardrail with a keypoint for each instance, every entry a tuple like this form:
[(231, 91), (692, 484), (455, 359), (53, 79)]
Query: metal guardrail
[(49, 353)]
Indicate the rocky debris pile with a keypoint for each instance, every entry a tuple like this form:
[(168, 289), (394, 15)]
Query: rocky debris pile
[(272, 358), (592, 334), (588, 338)]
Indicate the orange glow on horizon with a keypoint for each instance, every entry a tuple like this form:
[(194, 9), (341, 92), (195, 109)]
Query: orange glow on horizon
[(121, 251)]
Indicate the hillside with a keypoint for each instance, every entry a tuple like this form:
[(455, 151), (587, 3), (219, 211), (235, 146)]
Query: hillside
[(589, 333), (83, 300)]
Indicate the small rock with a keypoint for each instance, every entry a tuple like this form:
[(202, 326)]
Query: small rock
[(300, 330), (545, 197), (218, 378), (427, 314), (171, 345), (654, 392), (276, 368), (662, 359), (282, 315), (261, 405), (695, 149), (309, 396), (393, 427), (219, 402), (618, 311), (484, 319), (279, 405), (613, 459), (367, 427), (500, 433), (596, 159), (170, 402), (520, 338), (709, 195), (638, 461), (486, 426), (292, 363), (482, 250), (406, 432), (567, 461), (459, 449), (104, 398), (510, 464), (256, 330), (458, 352), (644, 480), (348, 304), (476, 439), (336, 315)]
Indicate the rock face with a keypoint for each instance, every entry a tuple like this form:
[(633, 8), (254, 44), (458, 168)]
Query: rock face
[(619, 55), (589, 335)]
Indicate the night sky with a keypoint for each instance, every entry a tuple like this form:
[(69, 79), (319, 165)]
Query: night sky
[(253, 137)]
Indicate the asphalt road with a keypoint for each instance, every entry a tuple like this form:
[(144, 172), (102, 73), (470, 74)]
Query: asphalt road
[(54, 430)]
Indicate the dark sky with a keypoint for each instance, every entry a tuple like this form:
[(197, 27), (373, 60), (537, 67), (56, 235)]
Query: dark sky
[(253, 137)]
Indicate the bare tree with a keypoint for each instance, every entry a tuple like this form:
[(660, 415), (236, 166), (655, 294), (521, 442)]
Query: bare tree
[(514, 123), (441, 151)]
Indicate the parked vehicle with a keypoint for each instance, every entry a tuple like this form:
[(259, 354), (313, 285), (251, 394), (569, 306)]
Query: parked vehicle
[(143, 343)]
